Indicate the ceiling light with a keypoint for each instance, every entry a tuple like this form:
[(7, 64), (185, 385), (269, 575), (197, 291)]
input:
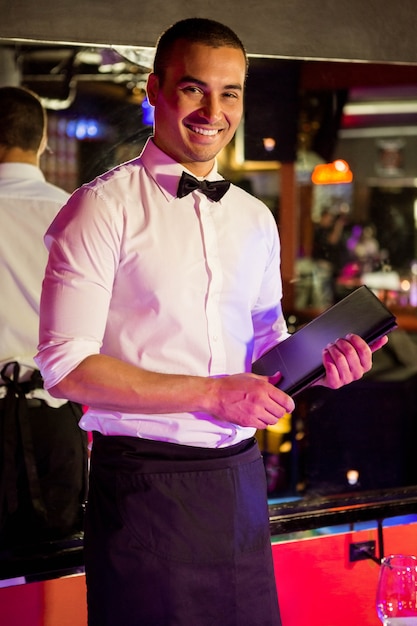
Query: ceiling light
[(380, 108)]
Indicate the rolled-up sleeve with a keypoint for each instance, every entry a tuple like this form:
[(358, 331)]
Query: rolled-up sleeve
[(83, 256)]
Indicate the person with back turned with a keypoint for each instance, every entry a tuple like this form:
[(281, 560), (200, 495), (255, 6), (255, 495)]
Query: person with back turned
[(28, 204), (41, 473), (177, 528)]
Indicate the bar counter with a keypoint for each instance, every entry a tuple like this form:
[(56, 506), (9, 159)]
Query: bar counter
[(44, 561), (311, 512)]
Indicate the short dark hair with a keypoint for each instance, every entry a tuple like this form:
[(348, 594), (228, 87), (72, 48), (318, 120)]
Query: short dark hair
[(194, 30), (22, 118)]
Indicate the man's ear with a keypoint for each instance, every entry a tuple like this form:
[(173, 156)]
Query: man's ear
[(44, 143), (152, 88)]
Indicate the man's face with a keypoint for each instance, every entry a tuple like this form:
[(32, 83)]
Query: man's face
[(198, 104)]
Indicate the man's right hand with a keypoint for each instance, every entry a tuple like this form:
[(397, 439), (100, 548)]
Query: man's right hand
[(248, 400)]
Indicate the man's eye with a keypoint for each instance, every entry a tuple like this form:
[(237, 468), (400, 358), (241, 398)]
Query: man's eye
[(192, 89)]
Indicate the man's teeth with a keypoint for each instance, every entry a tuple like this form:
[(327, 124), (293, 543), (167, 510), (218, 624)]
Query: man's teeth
[(204, 131)]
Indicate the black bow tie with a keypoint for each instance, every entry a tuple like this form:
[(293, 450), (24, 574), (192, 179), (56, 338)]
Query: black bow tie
[(214, 190)]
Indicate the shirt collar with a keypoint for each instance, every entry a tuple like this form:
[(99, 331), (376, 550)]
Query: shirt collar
[(165, 171), (20, 170)]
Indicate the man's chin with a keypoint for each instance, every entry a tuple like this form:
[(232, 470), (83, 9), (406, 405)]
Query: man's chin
[(205, 153)]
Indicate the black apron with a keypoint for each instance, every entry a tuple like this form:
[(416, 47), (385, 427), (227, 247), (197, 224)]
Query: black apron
[(178, 536)]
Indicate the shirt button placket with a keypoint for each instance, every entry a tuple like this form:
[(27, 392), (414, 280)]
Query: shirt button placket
[(214, 325)]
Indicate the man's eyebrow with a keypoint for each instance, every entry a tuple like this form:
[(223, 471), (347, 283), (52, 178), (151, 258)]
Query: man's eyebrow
[(191, 79)]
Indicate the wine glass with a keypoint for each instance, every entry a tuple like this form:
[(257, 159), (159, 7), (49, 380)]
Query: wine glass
[(396, 600)]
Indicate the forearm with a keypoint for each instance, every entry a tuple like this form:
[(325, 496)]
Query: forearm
[(108, 383)]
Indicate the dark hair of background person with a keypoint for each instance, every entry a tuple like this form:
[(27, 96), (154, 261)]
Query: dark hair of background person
[(194, 30), (22, 118)]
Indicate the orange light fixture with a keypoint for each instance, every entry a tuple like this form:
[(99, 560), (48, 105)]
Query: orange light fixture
[(332, 173)]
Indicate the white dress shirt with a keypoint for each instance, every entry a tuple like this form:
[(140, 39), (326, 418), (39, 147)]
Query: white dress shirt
[(28, 204), (177, 286)]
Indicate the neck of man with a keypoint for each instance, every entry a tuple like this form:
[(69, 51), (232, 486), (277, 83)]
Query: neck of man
[(18, 155)]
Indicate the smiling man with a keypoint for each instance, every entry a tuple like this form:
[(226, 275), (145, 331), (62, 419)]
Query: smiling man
[(198, 101), (162, 287)]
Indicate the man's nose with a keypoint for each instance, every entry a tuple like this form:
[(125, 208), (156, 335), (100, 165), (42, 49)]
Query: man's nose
[(211, 108)]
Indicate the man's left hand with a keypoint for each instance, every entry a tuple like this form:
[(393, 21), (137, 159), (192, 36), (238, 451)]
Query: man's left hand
[(347, 360)]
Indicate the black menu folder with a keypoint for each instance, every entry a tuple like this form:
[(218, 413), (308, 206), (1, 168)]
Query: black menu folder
[(299, 358)]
